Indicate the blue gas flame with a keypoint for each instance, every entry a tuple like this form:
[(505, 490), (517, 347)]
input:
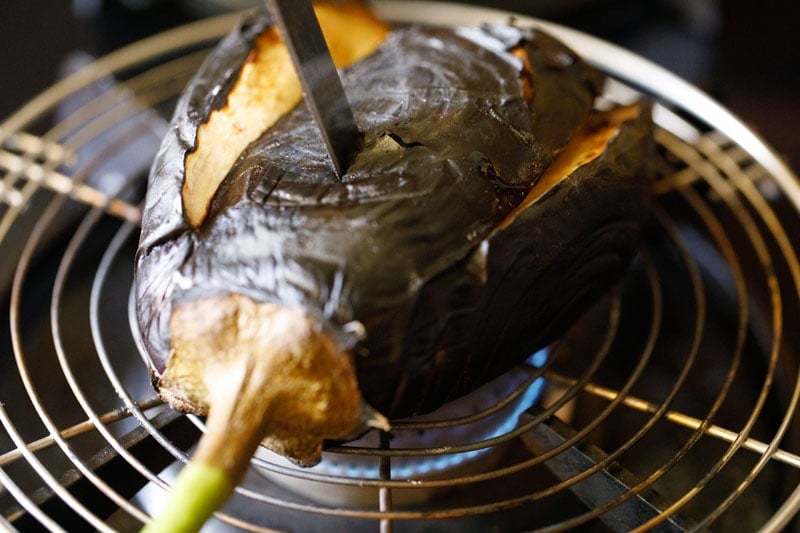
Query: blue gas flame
[(410, 468)]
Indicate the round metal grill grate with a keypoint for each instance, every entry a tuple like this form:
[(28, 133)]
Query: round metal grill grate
[(670, 404)]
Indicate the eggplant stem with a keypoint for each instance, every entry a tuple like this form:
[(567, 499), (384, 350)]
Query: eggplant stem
[(234, 428), (266, 374), (198, 491)]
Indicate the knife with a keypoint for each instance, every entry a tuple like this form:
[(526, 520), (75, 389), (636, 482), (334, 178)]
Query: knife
[(322, 88)]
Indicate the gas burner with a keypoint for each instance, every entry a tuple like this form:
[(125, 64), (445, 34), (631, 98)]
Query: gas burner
[(423, 448)]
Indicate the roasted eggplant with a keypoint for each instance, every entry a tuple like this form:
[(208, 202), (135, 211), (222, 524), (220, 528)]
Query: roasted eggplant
[(490, 204)]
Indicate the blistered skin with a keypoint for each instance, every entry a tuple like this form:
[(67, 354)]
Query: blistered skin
[(405, 261)]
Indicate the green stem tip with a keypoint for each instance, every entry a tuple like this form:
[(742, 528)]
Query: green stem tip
[(198, 491)]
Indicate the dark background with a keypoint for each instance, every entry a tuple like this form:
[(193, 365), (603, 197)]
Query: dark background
[(745, 54)]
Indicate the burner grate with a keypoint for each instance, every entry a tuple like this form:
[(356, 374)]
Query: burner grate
[(670, 405)]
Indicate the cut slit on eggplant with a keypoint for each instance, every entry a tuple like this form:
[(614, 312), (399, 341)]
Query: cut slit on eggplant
[(489, 205), (588, 143), (266, 88)]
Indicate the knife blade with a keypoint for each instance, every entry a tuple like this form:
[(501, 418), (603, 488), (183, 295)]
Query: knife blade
[(322, 87)]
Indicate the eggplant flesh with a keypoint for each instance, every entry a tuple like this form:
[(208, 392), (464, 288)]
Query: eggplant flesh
[(444, 256)]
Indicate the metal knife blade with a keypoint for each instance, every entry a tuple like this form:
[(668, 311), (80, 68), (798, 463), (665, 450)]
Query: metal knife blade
[(322, 87)]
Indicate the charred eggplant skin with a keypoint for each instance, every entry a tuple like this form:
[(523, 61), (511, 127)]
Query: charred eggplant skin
[(520, 289), (404, 261)]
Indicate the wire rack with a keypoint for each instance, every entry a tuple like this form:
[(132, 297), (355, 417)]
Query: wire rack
[(670, 405)]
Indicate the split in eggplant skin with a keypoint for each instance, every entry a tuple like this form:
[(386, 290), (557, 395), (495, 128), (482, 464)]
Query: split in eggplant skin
[(489, 205), (265, 89)]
